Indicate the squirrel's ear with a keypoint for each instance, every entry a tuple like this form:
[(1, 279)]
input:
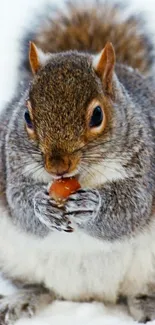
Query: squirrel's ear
[(104, 64), (37, 57)]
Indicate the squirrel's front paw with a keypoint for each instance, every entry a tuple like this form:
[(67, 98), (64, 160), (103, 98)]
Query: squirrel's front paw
[(83, 206), (49, 214)]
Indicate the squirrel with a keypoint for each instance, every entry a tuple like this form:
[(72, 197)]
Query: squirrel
[(81, 114)]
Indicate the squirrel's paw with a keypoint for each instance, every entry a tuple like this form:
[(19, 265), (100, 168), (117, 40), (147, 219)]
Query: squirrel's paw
[(142, 308), (83, 206), (49, 213), (24, 303)]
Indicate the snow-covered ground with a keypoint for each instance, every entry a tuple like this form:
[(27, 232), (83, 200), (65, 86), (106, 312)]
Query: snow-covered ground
[(14, 15)]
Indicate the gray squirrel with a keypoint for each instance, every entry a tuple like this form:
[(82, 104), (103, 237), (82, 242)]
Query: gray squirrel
[(81, 114)]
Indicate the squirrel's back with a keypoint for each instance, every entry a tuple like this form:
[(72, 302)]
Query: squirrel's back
[(88, 27)]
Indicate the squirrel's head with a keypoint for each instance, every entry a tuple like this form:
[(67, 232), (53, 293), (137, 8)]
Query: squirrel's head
[(69, 107)]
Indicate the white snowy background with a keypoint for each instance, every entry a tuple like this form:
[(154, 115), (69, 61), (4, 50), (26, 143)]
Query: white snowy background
[(14, 16)]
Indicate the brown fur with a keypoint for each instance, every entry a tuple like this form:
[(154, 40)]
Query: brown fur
[(70, 84), (106, 65), (63, 90), (34, 63), (86, 28)]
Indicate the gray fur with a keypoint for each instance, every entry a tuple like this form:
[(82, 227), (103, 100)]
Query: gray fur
[(131, 141), (117, 210)]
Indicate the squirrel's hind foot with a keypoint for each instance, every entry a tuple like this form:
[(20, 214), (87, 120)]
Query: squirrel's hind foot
[(24, 303), (142, 308)]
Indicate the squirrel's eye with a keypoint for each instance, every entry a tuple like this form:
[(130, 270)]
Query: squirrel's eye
[(28, 119), (97, 117)]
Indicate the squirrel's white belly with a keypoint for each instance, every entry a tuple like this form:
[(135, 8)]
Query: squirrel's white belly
[(75, 266)]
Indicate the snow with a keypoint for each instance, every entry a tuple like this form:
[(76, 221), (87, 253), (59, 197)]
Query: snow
[(14, 15)]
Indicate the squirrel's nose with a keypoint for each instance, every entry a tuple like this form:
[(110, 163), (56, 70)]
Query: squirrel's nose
[(57, 165), (62, 173)]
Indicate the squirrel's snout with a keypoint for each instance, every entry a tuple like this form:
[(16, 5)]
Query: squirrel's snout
[(59, 166)]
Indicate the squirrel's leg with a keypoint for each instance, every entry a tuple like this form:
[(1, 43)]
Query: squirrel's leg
[(142, 307), (117, 211), (32, 208), (23, 303)]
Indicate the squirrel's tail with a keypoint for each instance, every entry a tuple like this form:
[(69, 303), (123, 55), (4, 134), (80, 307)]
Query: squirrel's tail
[(89, 27)]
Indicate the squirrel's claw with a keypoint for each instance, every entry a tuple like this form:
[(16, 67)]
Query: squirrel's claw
[(49, 214), (83, 205)]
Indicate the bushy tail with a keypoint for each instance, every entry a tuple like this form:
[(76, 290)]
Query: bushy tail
[(88, 27)]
